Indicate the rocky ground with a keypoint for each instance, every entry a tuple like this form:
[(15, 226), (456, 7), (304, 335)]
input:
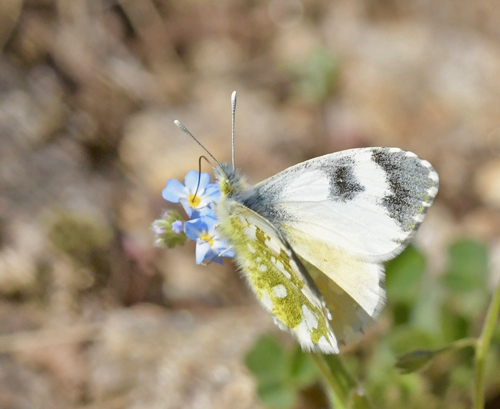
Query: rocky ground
[(92, 315)]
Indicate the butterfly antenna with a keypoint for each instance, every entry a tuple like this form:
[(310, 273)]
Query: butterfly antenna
[(233, 111), (199, 173), (185, 130)]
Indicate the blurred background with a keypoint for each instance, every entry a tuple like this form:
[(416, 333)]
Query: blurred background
[(92, 315)]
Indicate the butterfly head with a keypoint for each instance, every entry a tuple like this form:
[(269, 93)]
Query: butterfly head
[(229, 180)]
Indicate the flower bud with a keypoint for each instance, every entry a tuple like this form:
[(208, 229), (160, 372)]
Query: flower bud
[(169, 230)]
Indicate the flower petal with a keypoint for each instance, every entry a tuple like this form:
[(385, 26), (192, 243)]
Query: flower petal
[(177, 227), (212, 193), (206, 211), (194, 228), (191, 181), (210, 222), (188, 209), (229, 253), (192, 178), (204, 181), (213, 257), (218, 260), (174, 191), (202, 248)]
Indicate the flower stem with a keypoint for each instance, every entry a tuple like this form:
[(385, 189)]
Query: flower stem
[(461, 343), (339, 382), (483, 344), (337, 391)]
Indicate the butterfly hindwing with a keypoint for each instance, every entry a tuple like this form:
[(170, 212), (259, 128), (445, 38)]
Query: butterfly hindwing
[(348, 318), (274, 274), (353, 289)]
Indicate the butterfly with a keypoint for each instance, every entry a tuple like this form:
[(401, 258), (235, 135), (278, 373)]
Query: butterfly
[(310, 240)]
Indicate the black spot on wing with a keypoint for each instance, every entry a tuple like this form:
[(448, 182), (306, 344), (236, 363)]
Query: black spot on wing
[(409, 183), (343, 183)]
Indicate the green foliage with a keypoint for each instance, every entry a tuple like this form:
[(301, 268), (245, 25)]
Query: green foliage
[(453, 325), (425, 359), (359, 401), (468, 267), (466, 281), (266, 359), (415, 360), (404, 275), (280, 374), (302, 369), (408, 337)]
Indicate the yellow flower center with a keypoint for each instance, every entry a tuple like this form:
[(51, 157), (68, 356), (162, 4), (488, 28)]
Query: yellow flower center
[(194, 201), (206, 237)]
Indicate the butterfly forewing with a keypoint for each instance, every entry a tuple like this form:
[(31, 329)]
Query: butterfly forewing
[(275, 275), (367, 202)]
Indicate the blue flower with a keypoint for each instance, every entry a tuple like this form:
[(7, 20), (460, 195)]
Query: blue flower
[(177, 227), (206, 194), (198, 197), (207, 211), (209, 245)]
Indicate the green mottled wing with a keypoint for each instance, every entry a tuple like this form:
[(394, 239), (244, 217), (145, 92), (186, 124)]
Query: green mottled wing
[(276, 277)]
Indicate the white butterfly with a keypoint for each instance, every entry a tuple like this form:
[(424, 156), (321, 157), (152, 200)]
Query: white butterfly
[(310, 240)]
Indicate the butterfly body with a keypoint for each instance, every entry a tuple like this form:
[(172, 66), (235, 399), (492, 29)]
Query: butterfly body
[(310, 240)]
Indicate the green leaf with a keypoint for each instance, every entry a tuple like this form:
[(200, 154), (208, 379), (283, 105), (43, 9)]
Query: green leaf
[(401, 313), (404, 275), (461, 376), (425, 311), (302, 369), (266, 360), (414, 360), (406, 337), (277, 395), (453, 325), (468, 266), (470, 305)]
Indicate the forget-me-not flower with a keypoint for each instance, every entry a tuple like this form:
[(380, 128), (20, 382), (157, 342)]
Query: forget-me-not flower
[(191, 195), (209, 245)]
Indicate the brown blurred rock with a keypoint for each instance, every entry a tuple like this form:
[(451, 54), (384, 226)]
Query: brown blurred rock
[(487, 183), (170, 360)]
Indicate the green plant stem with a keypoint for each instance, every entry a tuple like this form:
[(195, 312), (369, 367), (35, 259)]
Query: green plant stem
[(336, 377), (483, 344), (459, 344)]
